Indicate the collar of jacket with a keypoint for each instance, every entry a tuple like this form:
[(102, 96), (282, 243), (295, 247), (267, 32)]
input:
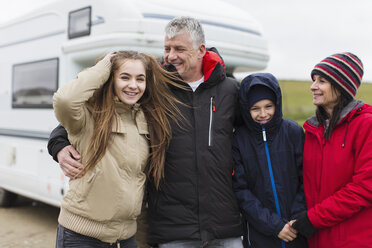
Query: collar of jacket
[(346, 114), (136, 114), (271, 128), (213, 67)]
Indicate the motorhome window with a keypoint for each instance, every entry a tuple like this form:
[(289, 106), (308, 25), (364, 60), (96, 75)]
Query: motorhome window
[(34, 84), (79, 22)]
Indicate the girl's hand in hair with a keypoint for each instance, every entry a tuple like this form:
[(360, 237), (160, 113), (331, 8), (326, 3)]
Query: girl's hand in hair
[(109, 56)]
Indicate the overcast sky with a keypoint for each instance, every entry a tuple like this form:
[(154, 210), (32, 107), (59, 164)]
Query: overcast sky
[(300, 33)]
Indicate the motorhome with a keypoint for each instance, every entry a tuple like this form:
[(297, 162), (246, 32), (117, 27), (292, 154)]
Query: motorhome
[(47, 47)]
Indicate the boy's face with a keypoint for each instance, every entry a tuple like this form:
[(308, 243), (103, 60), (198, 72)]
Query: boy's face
[(262, 111)]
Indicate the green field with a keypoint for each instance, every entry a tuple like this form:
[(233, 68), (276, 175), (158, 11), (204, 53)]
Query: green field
[(297, 99)]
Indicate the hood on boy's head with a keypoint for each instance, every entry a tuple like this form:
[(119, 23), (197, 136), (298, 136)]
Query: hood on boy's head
[(253, 84), (260, 92)]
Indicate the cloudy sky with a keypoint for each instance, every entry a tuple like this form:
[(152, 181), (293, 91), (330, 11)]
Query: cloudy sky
[(300, 33)]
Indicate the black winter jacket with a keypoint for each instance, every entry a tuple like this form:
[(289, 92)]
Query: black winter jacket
[(252, 183), (196, 200)]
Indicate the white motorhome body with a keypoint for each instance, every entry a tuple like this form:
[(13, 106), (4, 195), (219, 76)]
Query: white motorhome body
[(49, 46)]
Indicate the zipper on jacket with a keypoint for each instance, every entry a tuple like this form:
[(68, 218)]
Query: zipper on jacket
[(212, 109), (248, 237), (197, 162), (123, 226), (271, 176)]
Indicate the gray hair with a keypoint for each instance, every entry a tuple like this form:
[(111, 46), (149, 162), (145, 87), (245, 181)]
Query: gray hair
[(189, 25)]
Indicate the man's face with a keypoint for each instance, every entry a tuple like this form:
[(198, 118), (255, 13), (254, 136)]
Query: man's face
[(180, 52)]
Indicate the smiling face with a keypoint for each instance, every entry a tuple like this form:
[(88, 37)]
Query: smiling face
[(324, 94), (130, 81), (262, 111), (179, 51)]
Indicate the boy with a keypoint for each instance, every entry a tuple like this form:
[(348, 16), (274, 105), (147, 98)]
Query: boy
[(267, 152)]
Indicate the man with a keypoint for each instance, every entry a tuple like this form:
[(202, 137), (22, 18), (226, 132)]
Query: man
[(195, 205)]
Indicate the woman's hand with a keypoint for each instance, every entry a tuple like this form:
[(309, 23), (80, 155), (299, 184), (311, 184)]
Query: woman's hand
[(303, 225)]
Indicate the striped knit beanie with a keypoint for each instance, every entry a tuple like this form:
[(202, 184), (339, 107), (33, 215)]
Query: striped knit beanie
[(343, 70)]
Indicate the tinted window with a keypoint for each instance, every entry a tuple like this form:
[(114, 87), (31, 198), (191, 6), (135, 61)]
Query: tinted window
[(79, 22), (34, 84)]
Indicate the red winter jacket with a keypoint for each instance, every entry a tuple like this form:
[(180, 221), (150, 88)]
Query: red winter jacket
[(337, 177)]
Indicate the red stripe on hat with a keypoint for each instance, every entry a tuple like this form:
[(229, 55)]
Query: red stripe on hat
[(342, 69), (355, 60), (329, 73), (351, 65)]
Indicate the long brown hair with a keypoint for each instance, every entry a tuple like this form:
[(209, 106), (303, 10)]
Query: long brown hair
[(158, 105), (322, 115)]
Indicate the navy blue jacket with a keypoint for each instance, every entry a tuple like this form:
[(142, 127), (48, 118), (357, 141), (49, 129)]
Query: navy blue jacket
[(252, 183)]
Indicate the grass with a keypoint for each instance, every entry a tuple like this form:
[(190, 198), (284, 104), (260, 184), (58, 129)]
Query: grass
[(297, 99)]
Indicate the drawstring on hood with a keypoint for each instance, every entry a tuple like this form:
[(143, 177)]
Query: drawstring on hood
[(347, 127), (358, 105)]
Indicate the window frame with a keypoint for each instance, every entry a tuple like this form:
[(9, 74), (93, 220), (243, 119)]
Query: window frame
[(81, 33)]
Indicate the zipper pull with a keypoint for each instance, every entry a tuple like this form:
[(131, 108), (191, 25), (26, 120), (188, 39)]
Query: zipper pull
[(212, 109), (264, 133), (213, 106)]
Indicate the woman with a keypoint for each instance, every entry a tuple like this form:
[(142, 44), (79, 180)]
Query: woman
[(105, 112), (267, 153), (337, 165)]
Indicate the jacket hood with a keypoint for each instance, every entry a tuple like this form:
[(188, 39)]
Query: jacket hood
[(351, 111), (264, 79), (213, 66), (354, 107)]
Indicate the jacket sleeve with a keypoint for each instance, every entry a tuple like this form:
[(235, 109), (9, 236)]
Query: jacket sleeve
[(299, 204), (356, 195), (58, 139), (69, 102), (264, 220)]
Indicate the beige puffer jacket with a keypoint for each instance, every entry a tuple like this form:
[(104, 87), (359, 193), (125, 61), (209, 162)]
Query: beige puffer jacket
[(106, 201)]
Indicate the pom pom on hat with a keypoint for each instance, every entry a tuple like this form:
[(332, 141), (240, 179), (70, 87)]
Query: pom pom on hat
[(343, 70)]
